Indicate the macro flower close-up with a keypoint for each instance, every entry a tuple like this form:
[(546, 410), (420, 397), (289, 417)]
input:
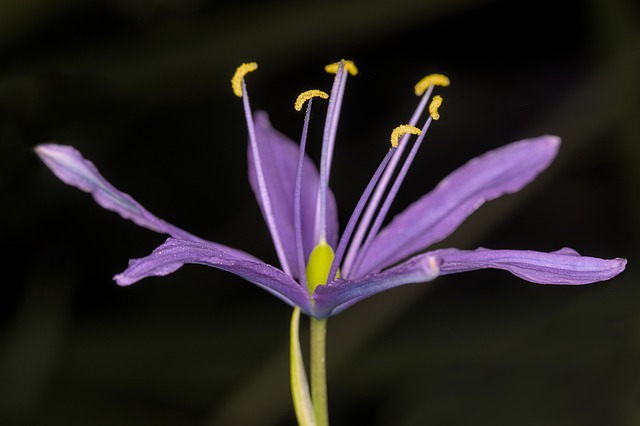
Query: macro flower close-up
[(367, 258), (278, 213), (322, 270)]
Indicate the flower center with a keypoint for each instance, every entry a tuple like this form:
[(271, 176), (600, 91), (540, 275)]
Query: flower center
[(370, 212)]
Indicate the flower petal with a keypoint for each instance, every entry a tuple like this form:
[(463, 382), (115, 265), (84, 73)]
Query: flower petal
[(338, 295), (68, 164), (436, 215), (174, 253), (565, 266), (279, 157)]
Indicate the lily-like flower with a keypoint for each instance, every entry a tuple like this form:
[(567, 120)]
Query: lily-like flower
[(322, 272)]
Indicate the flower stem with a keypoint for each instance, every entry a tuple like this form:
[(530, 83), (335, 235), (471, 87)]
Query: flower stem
[(318, 331)]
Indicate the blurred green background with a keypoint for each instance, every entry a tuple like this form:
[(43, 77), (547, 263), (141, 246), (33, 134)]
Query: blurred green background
[(141, 87)]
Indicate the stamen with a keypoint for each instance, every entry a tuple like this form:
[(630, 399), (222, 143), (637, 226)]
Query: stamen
[(403, 130), (262, 185), (355, 215), (305, 96), (433, 107), (238, 76), (431, 80), (386, 205), (360, 233), (333, 115), (297, 195), (328, 142), (348, 65)]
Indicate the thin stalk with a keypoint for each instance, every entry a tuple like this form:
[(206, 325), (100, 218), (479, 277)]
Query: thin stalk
[(318, 331)]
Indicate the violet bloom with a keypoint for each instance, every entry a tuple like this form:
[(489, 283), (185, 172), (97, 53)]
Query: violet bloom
[(300, 212)]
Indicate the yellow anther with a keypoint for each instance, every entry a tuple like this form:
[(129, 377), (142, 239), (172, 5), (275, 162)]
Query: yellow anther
[(401, 130), (348, 65), (305, 96), (431, 80), (241, 71), (434, 105)]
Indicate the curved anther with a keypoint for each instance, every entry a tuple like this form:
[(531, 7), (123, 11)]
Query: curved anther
[(433, 107), (241, 71), (305, 96), (431, 80), (401, 130)]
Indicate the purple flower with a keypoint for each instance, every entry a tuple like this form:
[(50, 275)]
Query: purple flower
[(300, 212)]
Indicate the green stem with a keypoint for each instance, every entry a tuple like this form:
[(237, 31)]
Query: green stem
[(318, 331)]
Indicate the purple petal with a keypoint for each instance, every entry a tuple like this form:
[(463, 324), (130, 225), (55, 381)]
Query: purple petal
[(436, 215), (174, 253), (279, 157), (338, 295), (565, 266), (72, 168)]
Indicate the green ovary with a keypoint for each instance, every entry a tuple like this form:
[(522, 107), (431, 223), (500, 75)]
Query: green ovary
[(319, 265)]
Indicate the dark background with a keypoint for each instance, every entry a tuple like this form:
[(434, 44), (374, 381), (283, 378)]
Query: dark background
[(141, 87)]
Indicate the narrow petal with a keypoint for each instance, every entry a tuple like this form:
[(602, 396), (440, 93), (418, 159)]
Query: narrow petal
[(565, 266), (279, 158), (173, 253), (68, 164), (436, 215), (338, 295)]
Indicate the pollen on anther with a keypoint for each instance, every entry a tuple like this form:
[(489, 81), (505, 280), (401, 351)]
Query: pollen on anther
[(401, 130), (433, 107), (305, 96), (431, 80), (241, 71), (348, 65)]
